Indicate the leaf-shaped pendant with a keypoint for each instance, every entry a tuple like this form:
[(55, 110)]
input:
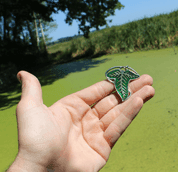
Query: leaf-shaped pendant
[(121, 78)]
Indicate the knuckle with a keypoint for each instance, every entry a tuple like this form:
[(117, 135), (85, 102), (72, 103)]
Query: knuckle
[(100, 90), (116, 129), (113, 100), (138, 102), (19, 106)]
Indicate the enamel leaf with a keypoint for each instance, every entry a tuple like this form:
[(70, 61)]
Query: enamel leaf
[(121, 80)]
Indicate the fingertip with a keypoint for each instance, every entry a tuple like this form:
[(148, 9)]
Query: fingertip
[(148, 80), (19, 75), (31, 86), (138, 102), (151, 92)]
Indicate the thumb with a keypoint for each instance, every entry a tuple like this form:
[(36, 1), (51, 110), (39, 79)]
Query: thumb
[(31, 91)]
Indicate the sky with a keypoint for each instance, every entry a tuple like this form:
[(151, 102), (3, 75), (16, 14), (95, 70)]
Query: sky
[(133, 10)]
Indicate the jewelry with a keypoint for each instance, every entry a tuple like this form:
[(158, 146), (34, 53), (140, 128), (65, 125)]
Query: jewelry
[(121, 79)]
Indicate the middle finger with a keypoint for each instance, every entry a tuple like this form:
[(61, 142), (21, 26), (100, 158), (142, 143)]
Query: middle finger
[(109, 102)]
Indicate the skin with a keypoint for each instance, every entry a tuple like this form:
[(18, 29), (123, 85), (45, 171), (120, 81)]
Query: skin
[(71, 135)]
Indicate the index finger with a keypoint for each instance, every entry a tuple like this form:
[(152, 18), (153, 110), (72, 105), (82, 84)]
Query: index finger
[(95, 92)]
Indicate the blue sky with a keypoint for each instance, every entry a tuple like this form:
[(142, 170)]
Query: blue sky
[(134, 10)]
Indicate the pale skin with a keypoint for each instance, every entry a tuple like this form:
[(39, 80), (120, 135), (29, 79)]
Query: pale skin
[(70, 135)]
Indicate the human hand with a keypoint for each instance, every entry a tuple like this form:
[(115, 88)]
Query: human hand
[(71, 135)]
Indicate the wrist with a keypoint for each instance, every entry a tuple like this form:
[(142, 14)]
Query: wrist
[(22, 165)]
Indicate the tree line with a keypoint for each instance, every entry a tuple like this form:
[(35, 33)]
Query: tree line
[(25, 21)]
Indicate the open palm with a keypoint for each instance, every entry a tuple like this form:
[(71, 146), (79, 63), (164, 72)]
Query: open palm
[(73, 135)]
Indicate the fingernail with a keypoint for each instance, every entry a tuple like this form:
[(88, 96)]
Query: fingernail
[(19, 78)]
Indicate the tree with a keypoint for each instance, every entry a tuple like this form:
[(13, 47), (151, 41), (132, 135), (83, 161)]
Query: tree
[(46, 27), (37, 37), (43, 36), (18, 15), (90, 13), (26, 9)]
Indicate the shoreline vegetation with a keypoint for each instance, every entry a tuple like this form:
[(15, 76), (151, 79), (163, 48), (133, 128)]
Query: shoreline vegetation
[(156, 32), (152, 33)]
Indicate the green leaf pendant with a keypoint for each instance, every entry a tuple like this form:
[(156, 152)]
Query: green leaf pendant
[(121, 78)]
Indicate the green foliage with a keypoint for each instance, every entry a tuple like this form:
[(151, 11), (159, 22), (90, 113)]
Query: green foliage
[(90, 13), (25, 9), (148, 33), (175, 42), (20, 16), (90, 47)]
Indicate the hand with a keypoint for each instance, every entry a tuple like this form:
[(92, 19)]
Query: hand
[(71, 135)]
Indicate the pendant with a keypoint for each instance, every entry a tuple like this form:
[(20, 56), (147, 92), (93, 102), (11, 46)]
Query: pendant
[(121, 78)]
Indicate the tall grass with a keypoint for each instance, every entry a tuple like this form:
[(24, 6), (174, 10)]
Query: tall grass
[(149, 33)]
